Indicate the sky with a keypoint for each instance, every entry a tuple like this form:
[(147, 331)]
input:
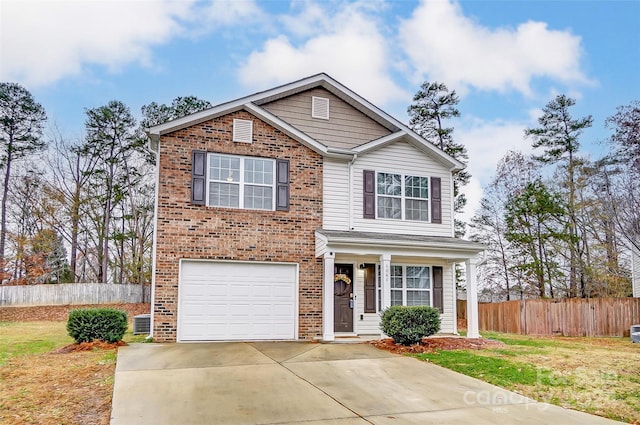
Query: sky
[(506, 59)]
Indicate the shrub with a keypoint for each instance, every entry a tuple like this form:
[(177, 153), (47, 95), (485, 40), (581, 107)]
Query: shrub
[(104, 324), (408, 325)]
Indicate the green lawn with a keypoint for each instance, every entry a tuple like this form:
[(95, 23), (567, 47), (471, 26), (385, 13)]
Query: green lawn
[(595, 375), (32, 338)]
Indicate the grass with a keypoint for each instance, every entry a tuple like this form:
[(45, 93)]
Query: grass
[(594, 375), (38, 387)]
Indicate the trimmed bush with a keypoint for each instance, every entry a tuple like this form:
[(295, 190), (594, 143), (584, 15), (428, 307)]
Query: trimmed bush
[(104, 324), (408, 325)]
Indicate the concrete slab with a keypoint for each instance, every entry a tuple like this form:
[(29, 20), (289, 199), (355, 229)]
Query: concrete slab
[(243, 395), (282, 351), (330, 352), (519, 414), (287, 383), (177, 356), (398, 385)]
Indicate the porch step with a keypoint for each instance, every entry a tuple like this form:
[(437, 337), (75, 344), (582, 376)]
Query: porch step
[(353, 339)]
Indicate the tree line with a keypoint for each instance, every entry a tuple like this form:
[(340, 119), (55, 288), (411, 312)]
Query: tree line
[(78, 210), (556, 223)]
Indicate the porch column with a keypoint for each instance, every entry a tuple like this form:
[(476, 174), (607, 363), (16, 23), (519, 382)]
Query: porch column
[(327, 297), (385, 275), (472, 299)]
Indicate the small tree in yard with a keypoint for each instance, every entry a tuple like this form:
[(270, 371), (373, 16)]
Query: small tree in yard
[(408, 325)]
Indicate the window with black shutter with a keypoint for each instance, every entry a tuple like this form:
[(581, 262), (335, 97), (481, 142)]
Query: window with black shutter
[(198, 177), (436, 201), (282, 185), (231, 181), (369, 202), (369, 288), (438, 290)]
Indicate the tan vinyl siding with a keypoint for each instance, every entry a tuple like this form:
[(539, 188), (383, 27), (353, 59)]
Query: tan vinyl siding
[(401, 157), (346, 127), (335, 188)]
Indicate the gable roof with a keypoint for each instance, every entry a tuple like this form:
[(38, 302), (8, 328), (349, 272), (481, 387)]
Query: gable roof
[(252, 104)]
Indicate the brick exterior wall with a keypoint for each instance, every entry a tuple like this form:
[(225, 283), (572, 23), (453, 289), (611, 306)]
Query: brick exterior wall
[(186, 231)]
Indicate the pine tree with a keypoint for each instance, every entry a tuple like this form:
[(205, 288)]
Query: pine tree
[(432, 105)]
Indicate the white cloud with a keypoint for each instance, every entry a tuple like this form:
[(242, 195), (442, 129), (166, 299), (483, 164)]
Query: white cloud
[(487, 143), (447, 46), (44, 41), (347, 44)]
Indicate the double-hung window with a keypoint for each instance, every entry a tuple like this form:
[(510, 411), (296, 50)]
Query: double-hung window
[(402, 197), (410, 285), (241, 182)]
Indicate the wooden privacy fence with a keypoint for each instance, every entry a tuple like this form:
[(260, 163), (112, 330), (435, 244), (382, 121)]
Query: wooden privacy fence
[(563, 317), (72, 293)]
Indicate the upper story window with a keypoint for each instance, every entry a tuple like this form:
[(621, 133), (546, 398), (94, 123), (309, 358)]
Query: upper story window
[(320, 107), (241, 182), (402, 197)]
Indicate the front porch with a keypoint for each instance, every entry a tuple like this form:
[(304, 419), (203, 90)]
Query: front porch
[(386, 270)]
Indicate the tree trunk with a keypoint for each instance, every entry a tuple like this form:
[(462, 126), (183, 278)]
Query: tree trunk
[(5, 195)]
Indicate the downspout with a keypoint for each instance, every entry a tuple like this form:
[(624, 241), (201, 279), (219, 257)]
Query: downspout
[(452, 199), (350, 194), (154, 146)]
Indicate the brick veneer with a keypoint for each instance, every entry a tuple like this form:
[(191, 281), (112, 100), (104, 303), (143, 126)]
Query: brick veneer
[(198, 232)]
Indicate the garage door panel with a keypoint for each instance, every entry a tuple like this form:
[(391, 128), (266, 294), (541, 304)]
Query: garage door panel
[(237, 301)]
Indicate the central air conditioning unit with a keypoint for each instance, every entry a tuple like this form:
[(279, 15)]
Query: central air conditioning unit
[(635, 333), (142, 324)]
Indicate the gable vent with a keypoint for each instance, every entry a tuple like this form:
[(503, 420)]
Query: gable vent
[(320, 107), (242, 131)]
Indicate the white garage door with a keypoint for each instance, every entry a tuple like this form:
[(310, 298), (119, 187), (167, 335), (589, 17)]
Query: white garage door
[(222, 301)]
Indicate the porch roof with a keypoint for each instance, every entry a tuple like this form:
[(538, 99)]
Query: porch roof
[(363, 243)]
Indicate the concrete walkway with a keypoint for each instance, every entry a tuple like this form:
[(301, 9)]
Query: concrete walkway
[(296, 382)]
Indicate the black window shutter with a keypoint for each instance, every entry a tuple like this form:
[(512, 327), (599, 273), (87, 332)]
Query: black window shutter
[(438, 292), (370, 288), (282, 185), (369, 190), (198, 177), (436, 201)]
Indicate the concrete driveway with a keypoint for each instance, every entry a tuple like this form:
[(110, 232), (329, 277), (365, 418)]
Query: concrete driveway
[(296, 382)]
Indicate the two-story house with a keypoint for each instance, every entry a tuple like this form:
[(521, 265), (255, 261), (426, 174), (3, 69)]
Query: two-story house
[(300, 212)]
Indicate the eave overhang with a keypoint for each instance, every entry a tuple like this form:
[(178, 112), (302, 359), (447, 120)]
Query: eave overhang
[(354, 242)]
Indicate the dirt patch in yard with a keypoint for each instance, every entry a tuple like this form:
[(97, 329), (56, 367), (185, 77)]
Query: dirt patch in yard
[(431, 345), (60, 313), (72, 388)]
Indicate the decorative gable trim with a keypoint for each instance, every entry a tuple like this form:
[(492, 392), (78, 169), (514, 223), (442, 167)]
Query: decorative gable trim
[(242, 131), (319, 80), (320, 107)]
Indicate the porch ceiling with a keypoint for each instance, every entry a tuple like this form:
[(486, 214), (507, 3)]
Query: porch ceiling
[(363, 243)]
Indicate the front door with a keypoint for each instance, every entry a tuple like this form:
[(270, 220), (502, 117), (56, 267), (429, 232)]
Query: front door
[(343, 301)]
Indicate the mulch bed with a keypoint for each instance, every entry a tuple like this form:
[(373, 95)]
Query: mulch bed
[(435, 344), (89, 346), (60, 313)]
